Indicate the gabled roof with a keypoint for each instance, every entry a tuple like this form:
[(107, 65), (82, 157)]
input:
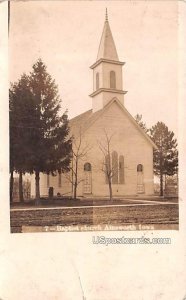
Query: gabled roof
[(83, 121), (86, 120)]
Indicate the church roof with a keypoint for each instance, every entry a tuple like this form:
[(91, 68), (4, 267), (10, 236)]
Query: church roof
[(86, 119), (83, 121), (107, 48)]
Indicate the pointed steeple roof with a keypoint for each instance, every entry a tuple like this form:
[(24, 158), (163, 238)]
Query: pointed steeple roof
[(107, 48)]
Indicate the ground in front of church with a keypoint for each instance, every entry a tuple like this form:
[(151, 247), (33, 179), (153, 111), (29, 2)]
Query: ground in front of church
[(91, 215)]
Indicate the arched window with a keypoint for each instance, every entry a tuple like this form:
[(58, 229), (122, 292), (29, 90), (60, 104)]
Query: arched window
[(114, 167), (112, 80), (87, 167), (140, 168), (97, 81), (121, 169)]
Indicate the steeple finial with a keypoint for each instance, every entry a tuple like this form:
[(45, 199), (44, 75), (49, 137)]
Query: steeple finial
[(106, 15)]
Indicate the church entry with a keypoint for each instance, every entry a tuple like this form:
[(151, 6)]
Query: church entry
[(87, 187)]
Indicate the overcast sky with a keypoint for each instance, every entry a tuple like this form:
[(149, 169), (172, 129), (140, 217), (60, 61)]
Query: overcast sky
[(66, 35)]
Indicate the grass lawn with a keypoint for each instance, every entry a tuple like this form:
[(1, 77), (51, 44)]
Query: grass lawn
[(114, 215)]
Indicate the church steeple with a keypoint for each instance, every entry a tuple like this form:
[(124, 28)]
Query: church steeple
[(107, 48), (107, 71)]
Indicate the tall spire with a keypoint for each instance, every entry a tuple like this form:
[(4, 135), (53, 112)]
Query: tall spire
[(107, 48)]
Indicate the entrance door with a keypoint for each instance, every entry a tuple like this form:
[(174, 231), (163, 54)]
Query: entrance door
[(87, 187), (140, 183)]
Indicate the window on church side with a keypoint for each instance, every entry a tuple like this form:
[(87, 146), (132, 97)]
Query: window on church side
[(115, 167), (112, 80), (121, 169), (87, 167), (97, 81), (140, 168), (117, 163)]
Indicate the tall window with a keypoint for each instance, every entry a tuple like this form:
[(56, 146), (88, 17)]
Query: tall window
[(117, 164), (115, 167), (97, 81), (112, 80), (59, 179), (121, 169)]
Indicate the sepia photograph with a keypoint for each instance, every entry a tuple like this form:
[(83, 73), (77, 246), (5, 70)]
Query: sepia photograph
[(92, 156), (93, 116)]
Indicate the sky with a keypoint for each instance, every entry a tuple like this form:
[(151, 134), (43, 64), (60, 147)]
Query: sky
[(66, 36)]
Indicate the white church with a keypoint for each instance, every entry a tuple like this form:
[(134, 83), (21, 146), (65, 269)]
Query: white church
[(106, 132)]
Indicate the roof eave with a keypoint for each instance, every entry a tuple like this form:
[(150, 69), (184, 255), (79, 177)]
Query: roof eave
[(107, 90), (116, 62)]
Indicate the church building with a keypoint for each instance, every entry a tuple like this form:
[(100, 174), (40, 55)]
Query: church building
[(106, 138)]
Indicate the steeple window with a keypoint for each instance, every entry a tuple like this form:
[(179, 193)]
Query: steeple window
[(112, 80)]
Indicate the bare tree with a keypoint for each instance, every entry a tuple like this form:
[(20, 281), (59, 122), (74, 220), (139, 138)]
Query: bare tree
[(108, 168), (79, 152)]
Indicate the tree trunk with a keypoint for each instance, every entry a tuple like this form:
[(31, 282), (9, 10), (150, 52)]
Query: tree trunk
[(161, 184), (21, 199), (161, 174), (11, 186), (76, 180), (165, 183), (110, 190), (37, 178), (75, 191)]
